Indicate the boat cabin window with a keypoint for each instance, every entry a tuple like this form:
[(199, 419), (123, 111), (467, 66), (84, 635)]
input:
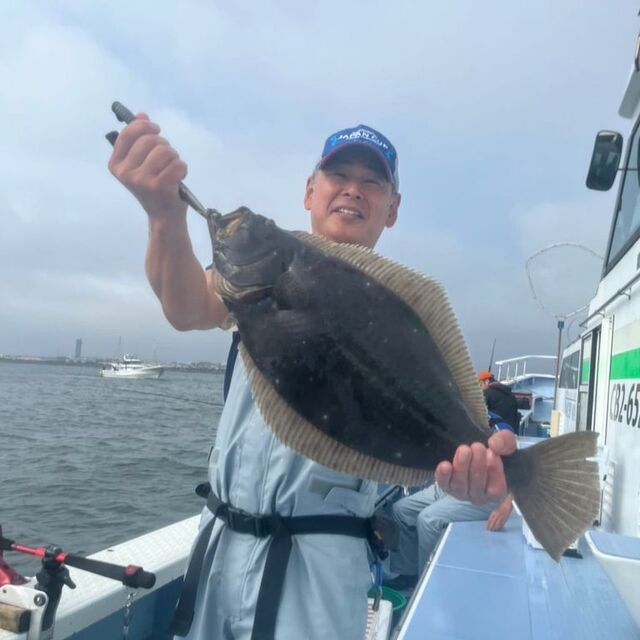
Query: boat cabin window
[(626, 226), (587, 379), (569, 371)]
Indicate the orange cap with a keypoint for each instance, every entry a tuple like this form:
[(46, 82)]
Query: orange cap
[(485, 375)]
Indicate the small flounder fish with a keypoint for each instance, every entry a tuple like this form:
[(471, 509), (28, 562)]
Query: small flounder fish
[(358, 363)]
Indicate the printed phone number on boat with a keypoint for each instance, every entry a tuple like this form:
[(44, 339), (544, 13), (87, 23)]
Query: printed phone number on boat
[(624, 403)]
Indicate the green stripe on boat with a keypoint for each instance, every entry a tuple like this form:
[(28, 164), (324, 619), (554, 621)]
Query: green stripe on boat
[(625, 365)]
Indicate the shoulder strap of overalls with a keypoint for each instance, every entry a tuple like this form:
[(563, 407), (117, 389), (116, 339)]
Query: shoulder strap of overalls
[(231, 363)]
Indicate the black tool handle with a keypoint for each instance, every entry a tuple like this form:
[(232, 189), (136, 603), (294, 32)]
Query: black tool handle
[(131, 575), (122, 113), (112, 136), (125, 115)]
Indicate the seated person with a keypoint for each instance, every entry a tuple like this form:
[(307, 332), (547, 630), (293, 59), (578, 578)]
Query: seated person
[(421, 517), (500, 398)]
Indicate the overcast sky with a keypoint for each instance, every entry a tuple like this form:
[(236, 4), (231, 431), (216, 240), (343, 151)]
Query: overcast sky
[(493, 107)]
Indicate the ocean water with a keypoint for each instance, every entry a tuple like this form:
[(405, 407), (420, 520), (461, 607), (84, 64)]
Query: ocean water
[(87, 462)]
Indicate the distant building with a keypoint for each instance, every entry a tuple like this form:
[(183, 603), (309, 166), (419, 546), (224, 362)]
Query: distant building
[(78, 348)]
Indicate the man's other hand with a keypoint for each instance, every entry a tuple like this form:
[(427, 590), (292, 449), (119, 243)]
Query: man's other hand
[(476, 473)]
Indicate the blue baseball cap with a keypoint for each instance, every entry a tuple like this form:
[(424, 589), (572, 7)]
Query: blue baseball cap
[(367, 137)]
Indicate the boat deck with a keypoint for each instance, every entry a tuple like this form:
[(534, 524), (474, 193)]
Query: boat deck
[(482, 584)]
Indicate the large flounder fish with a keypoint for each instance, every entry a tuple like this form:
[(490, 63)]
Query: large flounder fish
[(359, 364)]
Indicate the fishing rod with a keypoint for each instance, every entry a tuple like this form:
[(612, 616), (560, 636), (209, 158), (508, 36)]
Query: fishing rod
[(131, 575), (493, 349), (183, 398), (125, 115), (31, 607)]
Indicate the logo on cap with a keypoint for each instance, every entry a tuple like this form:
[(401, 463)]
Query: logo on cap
[(368, 137)]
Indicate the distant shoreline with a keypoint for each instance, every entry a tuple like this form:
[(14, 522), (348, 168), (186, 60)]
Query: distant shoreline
[(95, 363)]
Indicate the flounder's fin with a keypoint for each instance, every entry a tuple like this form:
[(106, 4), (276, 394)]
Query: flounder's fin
[(300, 435), (429, 302), (556, 488)]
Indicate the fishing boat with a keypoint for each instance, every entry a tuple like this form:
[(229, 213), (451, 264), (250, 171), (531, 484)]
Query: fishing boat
[(130, 367)]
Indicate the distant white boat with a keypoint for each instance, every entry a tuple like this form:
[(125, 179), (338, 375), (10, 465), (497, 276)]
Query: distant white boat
[(130, 367)]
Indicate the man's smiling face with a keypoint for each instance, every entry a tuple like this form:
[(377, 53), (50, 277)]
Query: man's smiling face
[(351, 199)]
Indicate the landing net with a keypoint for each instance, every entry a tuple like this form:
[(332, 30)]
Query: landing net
[(563, 278)]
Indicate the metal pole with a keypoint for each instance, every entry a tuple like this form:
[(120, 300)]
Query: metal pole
[(557, 374), (493, 349)]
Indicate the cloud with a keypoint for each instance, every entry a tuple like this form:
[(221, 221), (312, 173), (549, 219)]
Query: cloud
[(109, 313), (493, 110), (583, 222)]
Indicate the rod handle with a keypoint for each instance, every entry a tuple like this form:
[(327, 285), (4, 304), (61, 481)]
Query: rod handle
[(131, 576)]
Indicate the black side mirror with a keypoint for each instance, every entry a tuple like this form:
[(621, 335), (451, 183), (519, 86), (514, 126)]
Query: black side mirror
[(605, 160)]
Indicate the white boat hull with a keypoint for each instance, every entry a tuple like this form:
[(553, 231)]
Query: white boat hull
[(146, 372)]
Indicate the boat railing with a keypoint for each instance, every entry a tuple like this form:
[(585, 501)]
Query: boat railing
[(517, 368)]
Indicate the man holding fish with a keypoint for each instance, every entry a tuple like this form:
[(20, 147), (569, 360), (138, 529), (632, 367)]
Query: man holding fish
[(315, 584)]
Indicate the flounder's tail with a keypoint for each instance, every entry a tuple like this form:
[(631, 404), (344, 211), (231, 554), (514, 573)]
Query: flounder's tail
[(556, 488)]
